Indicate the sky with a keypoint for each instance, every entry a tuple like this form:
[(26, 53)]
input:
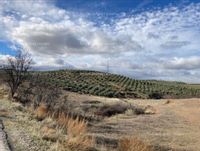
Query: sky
[(143, 39)]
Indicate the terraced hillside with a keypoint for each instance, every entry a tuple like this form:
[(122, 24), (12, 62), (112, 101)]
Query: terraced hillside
[(111, 85)]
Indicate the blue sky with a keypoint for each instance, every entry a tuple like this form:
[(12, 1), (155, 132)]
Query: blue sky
[(5, 48), (118, 6), (144, 39)]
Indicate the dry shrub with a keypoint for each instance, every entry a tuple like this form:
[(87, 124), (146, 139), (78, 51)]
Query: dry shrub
[(130, 112), (113, 109), (81, 143), (49, 133), (110, 110), (4, 113), (62, 119), (77, 139), (75, 127), (149, 110), (133, 144), (41, 112), (138, 110)]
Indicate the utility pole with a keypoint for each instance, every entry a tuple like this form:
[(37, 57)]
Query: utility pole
[(108, 66)]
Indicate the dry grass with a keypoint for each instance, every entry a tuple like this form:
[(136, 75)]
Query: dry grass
[(77, 139), (41, 112), (3, 91), (133, 144), (49, 134), (174, 126), (74, 127), (149, 110), (79, 144), (4, 113)]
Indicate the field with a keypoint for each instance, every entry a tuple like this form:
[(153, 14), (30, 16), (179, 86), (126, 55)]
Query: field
[(73, 110), (111, 85), (173, 126)]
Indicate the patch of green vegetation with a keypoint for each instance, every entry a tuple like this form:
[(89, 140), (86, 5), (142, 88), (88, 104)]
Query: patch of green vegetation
[(112, 85)]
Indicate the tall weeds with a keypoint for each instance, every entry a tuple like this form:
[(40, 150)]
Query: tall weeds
[(77, 139)]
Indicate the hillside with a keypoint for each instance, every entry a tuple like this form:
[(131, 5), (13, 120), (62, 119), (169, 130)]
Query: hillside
[(172, 126), (112, 85)]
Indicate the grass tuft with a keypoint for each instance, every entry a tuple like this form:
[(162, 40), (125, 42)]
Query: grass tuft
[(133, 144), (49, 134), (41, 112), (77, 139), (79, 144)]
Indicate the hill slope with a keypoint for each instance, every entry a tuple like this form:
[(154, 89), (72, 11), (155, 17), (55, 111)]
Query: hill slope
[(111, 85)]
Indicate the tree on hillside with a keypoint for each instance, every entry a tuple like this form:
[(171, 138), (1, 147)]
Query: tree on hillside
[(16, 70)]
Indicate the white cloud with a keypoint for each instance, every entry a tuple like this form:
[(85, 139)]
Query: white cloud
[(58, 37), (190, 63), (3, 59)]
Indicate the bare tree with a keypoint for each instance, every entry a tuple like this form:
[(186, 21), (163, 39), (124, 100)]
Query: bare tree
[(16, 70)]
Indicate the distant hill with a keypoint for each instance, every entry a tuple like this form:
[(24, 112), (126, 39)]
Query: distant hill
[(112, 85)]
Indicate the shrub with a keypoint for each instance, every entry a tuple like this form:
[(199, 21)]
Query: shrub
[(139, 111), (155, 95), (110, 94), (49, 134), (149, 110), (110, 110), (76, 127), (133, 144), (133, 110), (77, 139), (79, 144), (41, 112)]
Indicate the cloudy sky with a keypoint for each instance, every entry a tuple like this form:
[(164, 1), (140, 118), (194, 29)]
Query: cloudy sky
[(145, 39)]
